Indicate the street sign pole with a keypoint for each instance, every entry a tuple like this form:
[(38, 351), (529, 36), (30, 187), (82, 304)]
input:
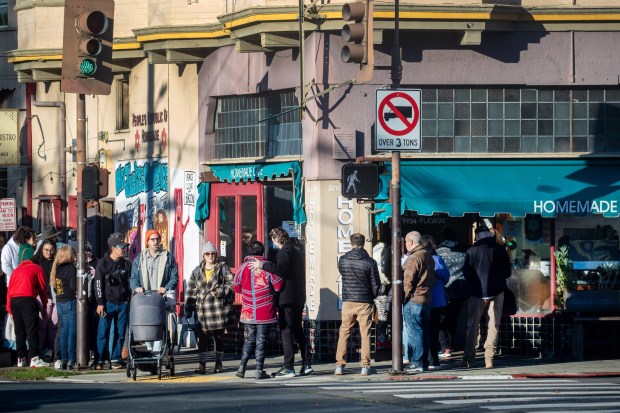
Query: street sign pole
[(82, 284), (397, 277)]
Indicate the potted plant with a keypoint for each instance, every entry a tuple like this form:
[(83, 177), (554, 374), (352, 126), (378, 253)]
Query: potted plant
[(565, 279)]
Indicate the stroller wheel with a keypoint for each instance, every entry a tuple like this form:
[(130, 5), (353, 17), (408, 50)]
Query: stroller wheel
[(134, 372), (171, 366), (159, 372), (128, 369)]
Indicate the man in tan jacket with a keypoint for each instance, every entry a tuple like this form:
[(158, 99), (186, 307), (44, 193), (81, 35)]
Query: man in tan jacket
[(419, 275)]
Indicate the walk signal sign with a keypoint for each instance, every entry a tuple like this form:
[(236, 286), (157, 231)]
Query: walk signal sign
[(360, 180)]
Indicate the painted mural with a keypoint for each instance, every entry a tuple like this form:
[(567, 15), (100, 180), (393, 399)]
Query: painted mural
[(142, 201)]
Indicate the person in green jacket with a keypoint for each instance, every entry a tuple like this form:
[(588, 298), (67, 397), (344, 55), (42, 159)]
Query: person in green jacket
[(26, 249)]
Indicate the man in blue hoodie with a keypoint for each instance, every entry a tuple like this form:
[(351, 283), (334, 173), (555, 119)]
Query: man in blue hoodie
[(360, 287)]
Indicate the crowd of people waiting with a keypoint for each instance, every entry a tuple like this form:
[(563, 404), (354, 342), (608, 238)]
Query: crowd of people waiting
[(41, 284), (41, 302)]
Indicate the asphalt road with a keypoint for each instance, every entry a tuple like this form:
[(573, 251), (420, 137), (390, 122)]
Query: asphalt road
[(313, 394)]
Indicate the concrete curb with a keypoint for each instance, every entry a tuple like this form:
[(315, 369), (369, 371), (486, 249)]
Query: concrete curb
[(517, 376)]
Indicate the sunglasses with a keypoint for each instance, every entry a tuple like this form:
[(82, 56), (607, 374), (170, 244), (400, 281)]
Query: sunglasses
[(213, 254)]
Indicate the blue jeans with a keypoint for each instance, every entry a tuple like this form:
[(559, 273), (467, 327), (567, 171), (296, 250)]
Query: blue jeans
[(417, 320), (118, 313), (67, 313), (256, 335)]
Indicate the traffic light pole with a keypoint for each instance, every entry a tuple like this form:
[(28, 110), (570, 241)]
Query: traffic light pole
[(82, 282), (397, 276)]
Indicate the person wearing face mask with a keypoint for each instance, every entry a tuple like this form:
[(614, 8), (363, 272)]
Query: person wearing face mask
[(289, 264), (210, 295)]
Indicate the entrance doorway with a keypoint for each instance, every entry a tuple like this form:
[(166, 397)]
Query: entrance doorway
[(234, 219)]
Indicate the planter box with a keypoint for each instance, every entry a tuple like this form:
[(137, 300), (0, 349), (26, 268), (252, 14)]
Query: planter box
[(592, 300)]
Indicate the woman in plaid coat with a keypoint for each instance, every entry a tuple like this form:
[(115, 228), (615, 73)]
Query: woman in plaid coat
[(210, 294)]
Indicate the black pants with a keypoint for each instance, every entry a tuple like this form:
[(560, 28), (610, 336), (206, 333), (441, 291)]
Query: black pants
[(25, 312), (434, 346), (291, 328), (203, 336), (449, 322)]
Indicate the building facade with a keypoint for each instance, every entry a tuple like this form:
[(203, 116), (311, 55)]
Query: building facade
[(222, 124)]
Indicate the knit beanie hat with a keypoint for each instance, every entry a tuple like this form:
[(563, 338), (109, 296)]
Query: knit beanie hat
[(150, 232)]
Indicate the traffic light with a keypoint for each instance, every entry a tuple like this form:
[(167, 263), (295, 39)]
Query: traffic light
[(357, 33), (90, 183), (360, 180), (87, 47)]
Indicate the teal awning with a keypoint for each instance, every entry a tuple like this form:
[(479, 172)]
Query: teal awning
[(254, 172), (517, 187)]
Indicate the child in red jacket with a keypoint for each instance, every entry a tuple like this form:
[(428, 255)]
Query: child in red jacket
[(258, 306)]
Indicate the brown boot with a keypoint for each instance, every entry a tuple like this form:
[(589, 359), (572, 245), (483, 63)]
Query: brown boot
[(202, 369), (219, 356)]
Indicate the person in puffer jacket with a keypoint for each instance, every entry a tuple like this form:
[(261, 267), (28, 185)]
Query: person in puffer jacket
[(360, 287)]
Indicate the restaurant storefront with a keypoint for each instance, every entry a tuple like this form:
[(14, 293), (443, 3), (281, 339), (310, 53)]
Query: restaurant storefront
[(535, 207)]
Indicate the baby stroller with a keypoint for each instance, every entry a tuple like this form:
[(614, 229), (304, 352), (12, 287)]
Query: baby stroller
[(150, 321)]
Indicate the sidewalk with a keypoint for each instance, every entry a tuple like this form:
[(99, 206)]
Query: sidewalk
[(506, 367)]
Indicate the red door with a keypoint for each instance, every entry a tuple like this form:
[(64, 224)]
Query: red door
[(236, 218)]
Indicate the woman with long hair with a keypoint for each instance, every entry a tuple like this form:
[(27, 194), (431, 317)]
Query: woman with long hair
[(64, 280), (48, 327)]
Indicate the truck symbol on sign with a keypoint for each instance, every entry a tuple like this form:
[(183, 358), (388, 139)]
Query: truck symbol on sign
[(406, 111)]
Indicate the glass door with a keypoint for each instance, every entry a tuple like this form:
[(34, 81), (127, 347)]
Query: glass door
[(234, 220)]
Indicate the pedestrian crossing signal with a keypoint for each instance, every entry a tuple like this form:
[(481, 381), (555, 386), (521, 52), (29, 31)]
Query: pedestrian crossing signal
[(360, 180)]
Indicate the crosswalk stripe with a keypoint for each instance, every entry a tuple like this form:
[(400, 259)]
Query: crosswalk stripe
[(539, 394), (491, 392), (392, 384), (464, 387), (553, 406), (486, 399)]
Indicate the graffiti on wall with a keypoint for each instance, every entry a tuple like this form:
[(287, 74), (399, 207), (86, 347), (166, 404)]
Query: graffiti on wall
[(142, 201)]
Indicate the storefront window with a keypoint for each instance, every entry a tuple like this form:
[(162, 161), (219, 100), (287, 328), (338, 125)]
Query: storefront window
[(593, 247), (528, 242), (278, 207)]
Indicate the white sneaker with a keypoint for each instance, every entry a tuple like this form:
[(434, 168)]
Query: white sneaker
[(339, 370), (38, 362), (21, 361), (366, 371), (58, 365)]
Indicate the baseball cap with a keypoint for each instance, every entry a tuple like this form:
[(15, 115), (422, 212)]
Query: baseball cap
[(117, 240)]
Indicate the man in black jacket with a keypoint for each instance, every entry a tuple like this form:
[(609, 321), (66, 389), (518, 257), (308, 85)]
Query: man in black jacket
[(112, 294), (360, 287), (487, 266), (291, 300)]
